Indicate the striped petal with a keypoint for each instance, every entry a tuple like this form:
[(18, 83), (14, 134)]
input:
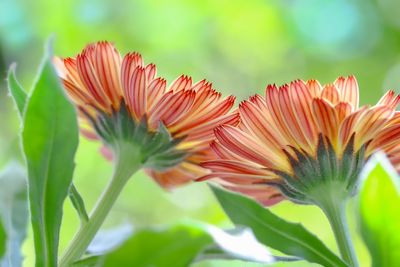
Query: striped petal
[(233, 166), (88, 76), (346, 129), (331, 94), (290, 120), (136, 93), (343, 110), (155, 90), (205, 131), (258, 126), (390, 99), (224, 153), (349, 91), (175, 107), (314, 87), (386, 139), (272, 102), (107, 63), (201, 115), (326, 119), (266, 195), (373, 121), (246, 146), (182, 83), (300, 98)]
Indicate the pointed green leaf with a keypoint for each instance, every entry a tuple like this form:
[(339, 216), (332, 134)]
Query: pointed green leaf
[(271, 230), (17, 92), (19, 95), (378, 212), (78, 204), (50, 140), (13, 212)]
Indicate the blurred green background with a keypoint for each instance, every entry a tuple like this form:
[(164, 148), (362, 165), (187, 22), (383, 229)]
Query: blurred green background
[(238, 45)]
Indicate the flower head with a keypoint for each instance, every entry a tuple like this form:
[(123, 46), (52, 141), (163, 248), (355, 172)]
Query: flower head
[(302, 137), (121, 100)]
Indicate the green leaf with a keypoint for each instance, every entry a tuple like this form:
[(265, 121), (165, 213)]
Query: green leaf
[(78, 204), (17, 92), (50, 140), (177, 245), (378, 211), (91, 261), (13, 212), (239, 244), (3, 239), (290, 238), (109, 239), (19, 95)]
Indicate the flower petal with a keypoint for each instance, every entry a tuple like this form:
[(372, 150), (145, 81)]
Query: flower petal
[(343, 110), (88, 76), (370, 124), (331, 94), (390, 99), (176, 107), (349, 91), (346, 129), (183, 82), (326, 119), (259, 127), (314, 87), (107, 63), (136, 93), (247, 147)]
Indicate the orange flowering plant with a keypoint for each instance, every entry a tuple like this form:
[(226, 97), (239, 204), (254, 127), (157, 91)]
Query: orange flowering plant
[(307, 143), (302, 142)]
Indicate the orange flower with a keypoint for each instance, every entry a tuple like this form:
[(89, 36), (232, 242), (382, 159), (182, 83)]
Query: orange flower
[(300, 135), (104, 85)]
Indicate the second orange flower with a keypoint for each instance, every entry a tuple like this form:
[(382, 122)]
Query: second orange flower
[(121, 98)]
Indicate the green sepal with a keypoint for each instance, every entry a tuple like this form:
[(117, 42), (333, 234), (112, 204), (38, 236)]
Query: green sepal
[(313, 174), (155, 149)]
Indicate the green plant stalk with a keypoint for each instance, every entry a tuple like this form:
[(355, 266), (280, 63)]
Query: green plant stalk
[(125, 167), (334, 208)]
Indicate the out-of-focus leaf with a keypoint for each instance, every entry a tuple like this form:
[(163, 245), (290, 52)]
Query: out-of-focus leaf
[(180, 244), (176, 246), (379, 212), (13, 212), (17, 92), (50, 140), (3, 239), (239, 243), (104, 242), (290, 238), (91, 261), (78, 203), (108, 240)]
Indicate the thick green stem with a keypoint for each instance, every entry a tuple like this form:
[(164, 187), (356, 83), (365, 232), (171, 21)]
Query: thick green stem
[(125, 167), (335, 210)]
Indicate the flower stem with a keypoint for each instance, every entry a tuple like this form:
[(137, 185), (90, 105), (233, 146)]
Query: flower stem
[(125, 167), (335, 211)]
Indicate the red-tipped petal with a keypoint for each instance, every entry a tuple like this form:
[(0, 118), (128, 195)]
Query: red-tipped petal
[(331, 94), (326, 119), (350, 91)]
